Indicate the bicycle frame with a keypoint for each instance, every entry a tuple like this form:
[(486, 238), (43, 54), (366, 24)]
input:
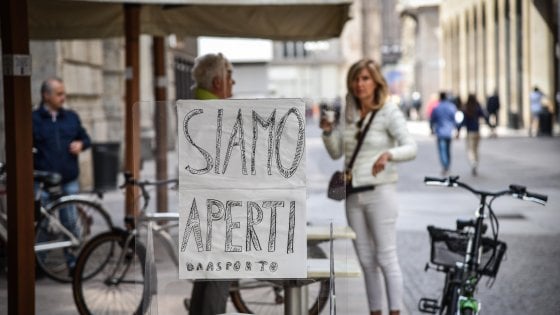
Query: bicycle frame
[(72, 240)]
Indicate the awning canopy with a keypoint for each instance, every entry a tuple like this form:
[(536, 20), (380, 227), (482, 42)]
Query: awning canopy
[(271, 19)]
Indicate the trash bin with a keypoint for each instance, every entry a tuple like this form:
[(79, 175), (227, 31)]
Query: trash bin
[(105, 165), (545, 122), (513, 120)]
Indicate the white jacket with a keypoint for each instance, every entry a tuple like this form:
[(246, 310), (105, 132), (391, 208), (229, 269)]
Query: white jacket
[(388, 132)]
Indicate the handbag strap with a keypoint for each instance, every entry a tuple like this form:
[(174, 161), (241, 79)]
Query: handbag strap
[(361, 141)]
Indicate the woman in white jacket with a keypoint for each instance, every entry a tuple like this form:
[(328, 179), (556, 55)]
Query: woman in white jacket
[(371, 203)]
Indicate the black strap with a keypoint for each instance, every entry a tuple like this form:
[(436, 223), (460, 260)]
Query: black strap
[(360, 141)]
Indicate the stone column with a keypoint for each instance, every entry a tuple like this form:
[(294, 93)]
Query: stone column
[(526, 49), (463, 55), (504, 97), (447, 74), (456, 55), (480, 43), (514, 35), (490, 49)]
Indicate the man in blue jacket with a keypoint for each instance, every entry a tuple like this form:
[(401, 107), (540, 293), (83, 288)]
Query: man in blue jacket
[(442, 123), (58, 139)]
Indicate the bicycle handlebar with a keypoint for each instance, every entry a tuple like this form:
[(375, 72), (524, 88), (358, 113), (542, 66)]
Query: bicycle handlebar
[(516, 191), (130, 180)]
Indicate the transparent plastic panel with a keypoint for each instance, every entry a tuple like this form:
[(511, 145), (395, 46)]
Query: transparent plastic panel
[(313, 294)]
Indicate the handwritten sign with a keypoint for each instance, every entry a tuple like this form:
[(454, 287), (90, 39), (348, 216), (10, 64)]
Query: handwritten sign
[(242, 197)]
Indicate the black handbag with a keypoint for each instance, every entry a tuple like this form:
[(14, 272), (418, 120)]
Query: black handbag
[(341, 182)]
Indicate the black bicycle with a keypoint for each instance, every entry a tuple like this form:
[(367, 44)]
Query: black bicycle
[(464, 254)]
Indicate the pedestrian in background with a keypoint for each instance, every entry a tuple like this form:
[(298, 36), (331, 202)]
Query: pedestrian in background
[(212, 74), (372, 204), (472, 112), (535, 98), (58, 139), (442, 124), (493, 107), (416, 102)]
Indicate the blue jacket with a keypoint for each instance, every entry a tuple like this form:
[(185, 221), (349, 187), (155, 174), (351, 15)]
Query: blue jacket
[(52, 138), (442, 120)]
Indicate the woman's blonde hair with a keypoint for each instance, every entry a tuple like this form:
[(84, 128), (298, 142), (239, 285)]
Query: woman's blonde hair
[(381, 89)]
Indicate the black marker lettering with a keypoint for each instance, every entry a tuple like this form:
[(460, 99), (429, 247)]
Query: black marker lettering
[(212, 216), (291, 227), (240, 141), (272, 235), (258, 120), (207, 156), (193, 223), (252, 237), (230, 226), (287, 173), (218, 140)]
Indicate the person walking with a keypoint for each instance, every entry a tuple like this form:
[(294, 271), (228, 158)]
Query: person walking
[(536, 99), (471, 121), (372, 204), (58, 139), (493, 107), (212, 74), (442, 124)]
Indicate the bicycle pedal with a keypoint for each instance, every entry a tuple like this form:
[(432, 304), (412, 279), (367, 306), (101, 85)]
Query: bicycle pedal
[(430, 306)]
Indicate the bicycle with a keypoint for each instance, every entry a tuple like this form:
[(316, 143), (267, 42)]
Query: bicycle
[(464, 254), (56, 242), (123, 280)]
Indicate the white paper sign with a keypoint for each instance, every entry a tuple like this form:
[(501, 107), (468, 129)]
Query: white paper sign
[(242, 189)]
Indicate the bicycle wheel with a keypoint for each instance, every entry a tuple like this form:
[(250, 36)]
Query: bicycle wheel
[(255, 296), (82, 218), (117, 285)]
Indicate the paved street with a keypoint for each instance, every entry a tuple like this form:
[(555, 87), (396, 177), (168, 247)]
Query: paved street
[(528, 281)]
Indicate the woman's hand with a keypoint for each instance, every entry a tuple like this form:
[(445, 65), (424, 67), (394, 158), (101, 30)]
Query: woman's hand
[(380, 164)]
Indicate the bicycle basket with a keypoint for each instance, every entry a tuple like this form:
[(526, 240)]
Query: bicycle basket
[(450, 247)]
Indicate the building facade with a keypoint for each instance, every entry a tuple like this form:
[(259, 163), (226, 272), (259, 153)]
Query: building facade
[(94, 75), (507, 46), (421, 61)]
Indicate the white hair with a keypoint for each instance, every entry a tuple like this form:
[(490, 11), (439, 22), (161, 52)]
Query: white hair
[(208, 67)]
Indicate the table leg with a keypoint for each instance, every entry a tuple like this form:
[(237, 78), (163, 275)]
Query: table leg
[(293, 302)]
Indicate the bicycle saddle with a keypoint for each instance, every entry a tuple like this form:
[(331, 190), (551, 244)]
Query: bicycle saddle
[(49, 179)]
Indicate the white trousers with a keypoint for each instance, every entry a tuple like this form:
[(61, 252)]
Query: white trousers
[(373, 216)]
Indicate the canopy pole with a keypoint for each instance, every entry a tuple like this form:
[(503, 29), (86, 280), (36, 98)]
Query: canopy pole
[(160, 92), (132, 111), (19, 157)]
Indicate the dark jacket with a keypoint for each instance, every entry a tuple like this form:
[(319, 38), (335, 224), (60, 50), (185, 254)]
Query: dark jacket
[(52, 138), (472, 123), (493, 104)]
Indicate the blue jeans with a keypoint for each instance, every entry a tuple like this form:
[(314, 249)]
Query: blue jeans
[(68, 216), (444, 149)]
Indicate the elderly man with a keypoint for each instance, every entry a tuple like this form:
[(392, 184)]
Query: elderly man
[(58, 139), (212, 75)]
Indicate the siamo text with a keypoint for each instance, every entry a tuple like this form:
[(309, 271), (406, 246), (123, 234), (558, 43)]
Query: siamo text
[(276, 128)]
